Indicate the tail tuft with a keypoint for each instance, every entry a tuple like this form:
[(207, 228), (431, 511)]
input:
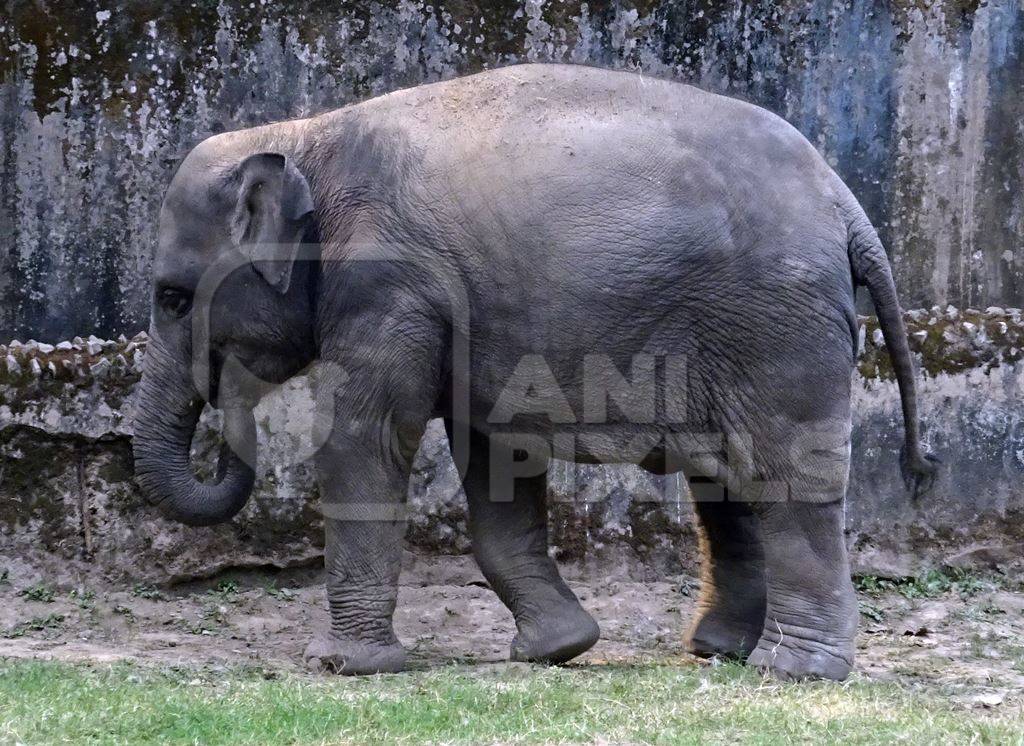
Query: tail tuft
[(918, 471)]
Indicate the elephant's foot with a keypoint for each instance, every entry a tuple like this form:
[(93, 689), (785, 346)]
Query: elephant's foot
[(716, 632), (789, 657), (353, 658), (555, 636)]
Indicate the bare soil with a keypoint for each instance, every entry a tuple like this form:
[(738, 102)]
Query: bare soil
[(965, 645)]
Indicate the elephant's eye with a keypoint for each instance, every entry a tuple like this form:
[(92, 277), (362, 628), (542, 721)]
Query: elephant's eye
[(174, 301)]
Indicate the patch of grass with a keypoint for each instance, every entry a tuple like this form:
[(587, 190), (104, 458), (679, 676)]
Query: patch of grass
[(83, 597), (978, 645), (281, 594), (142, 590), (41, 592), (987, 646), (872, 585), (930, 584), (226, 589), (47, 702), (36, 624), (1016, 654), (871, 611)]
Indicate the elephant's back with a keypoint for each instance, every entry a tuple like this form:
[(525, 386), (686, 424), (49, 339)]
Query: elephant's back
[(618, 175), (528, 104), (561, 186), (528, 139), (593, 209)]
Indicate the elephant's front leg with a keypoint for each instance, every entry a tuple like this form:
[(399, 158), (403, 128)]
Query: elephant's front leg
[(811, 617), (508, 521), (362, 498)]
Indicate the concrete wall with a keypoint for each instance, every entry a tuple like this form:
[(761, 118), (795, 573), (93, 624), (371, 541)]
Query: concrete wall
[(69, 506), (918, 105)]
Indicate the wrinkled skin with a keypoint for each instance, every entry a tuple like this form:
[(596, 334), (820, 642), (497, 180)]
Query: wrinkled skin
[(560, 228)]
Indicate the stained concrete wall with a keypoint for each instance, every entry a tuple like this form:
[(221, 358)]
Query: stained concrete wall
[(69, 506), (917, 104)]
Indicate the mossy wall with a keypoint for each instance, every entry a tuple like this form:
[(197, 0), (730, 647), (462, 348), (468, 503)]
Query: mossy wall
[(917, 104)]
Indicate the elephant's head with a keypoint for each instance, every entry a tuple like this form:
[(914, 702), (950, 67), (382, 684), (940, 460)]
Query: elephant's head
[(233, 297)]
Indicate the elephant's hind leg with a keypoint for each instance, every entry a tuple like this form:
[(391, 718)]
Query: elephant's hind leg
[(510, 544), (730, 611), (810, 618), (786, 457)]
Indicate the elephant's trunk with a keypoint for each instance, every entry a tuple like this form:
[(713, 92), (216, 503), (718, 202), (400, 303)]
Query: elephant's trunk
[(167, 412)]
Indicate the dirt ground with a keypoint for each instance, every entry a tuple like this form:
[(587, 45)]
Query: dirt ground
[(965, 642)]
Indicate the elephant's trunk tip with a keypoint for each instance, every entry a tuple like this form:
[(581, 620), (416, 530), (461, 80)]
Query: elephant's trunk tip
[(168, 413)]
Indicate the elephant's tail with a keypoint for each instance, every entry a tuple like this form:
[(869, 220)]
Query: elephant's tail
[(870, 267)]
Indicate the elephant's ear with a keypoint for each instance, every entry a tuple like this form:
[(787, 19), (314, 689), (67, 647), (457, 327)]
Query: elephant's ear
[(272, 211)]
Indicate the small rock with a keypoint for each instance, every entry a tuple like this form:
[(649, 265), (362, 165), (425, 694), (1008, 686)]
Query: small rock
[(995, 311), (130, 348), (64, 346), (878, 338), (121, 339), (141, 337), (31, 346), (44, 348), (12, 365), (120, 361), (109, 344), (51, 369), (952, 313), (990, 555), (100, 369), (920, 336), (78, 342), (94, 348), (987, 699), (916, 632), (916, 314), (137, 359), (972, 312), (33, 365), (970, 328), (15, 344)]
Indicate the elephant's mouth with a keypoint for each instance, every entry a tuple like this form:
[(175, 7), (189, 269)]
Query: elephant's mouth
[(216, 368), (232, 380)]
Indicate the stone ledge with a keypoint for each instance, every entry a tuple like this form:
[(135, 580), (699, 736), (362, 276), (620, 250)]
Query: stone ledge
[(68, 501)]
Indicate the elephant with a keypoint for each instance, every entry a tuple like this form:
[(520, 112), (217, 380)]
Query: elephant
[(558, 261)]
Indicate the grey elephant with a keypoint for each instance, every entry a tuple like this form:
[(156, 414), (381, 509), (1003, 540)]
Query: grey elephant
[(559, 261)]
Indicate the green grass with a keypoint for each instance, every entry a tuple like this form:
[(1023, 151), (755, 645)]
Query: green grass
[(41, 592), (930, 584), (43, 702)]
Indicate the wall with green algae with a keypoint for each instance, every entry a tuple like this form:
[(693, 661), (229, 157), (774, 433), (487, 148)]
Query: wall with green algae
[(917, 104)]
